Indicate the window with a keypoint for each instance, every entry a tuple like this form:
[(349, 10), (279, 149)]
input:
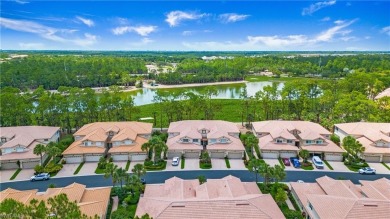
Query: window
[(185, 140), (98, 143), (195, 140), (111, 133), (46, 139), (223, 140), (213, 140), (319, 142), (128, 142), (3, 140), (279, 140), (87, 143), (308, 142), (289, 141), (310, 206), (204, 131)]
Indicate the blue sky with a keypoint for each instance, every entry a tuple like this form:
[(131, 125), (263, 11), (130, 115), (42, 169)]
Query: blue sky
[(201, 25)]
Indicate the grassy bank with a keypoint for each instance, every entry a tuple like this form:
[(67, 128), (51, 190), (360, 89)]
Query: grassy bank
[(255, 78)]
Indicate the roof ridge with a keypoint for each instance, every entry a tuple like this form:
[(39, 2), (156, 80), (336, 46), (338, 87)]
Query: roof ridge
[(260, 195)]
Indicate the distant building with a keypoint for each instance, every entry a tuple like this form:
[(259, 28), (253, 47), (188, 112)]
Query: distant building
[(123, 140), (91, 201), (385, 93), (285, 138), (217, 198), (375, 138), (18, 143), (189, 138), (330, 199)]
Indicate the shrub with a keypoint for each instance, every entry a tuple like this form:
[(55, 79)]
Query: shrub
[(63, 161), (132, 199), (38, 169), (148, 163), (102, 163), (52, 168), (335, 139), (110, 160)]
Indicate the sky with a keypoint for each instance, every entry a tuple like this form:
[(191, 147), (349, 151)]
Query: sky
[(324, 25)]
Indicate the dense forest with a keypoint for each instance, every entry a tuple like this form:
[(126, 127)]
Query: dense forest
[(94, 69), (325, 101)]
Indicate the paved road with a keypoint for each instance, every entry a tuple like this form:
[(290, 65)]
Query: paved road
[(160, 177)]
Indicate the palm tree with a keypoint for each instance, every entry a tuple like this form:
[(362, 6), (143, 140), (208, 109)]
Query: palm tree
[(278, 173), (304, 154), (120, 175), (146, 147), (251, 141), (139, 170), (254, 166), (40, 149), (53, 151), (110, 171), (265, 171), (133, 182), (157, 145)]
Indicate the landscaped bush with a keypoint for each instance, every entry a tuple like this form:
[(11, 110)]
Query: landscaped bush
[(205, 160), (52, 168), (132, 199), (102, 163), (159, 165)]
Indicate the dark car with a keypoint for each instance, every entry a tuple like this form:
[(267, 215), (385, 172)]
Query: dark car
[(295, 162), (286, 161)]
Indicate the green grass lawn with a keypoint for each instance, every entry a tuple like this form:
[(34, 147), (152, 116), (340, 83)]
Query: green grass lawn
[(127, 165), (308, 167), (281, 162), (78, 168), (183, 163), (205, 166), (227, 162), (15, 174), (384, 164), (328, 165), (99, 171)]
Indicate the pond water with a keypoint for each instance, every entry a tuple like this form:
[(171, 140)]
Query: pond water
[(225, 91)]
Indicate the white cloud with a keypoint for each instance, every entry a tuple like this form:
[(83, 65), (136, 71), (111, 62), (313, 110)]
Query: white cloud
[(86, 21), (175, 17), (325, 19), (328, 34), (21, 2), (386, 30), (232, 17), (141, 30), (49, 33), (317, 6), (31, 46), (276, 41)]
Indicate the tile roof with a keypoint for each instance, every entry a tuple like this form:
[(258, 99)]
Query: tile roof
[(139, 127), (25, 135), (135, 147), (27, 154), (267, 143), (302, 126), (217, 198), (91, 201)]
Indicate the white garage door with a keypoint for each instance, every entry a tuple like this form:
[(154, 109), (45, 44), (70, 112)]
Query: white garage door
[(217, 154), (172, 154), (272, 155), (235, 155), (92, 157), (138, 157), (191, 154), (288, 154), (372, 158), (30, 164), (9, 166), (333, 157), (74, 159), (120, 157), (386, 159)]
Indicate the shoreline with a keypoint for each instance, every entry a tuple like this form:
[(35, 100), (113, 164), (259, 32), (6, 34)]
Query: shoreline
[(192, 85)]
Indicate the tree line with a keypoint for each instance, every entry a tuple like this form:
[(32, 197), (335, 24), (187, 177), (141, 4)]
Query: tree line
[(326, 102)]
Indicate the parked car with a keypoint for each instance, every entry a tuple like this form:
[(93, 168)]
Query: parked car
[(318, 162), (175, 161), (295, 162), (367, 170), (286, 161), (40, 176), (300, 181)]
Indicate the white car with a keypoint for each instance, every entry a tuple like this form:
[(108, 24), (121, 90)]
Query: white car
[(318, 162), (367, 170), (175, 161), (41, 176)]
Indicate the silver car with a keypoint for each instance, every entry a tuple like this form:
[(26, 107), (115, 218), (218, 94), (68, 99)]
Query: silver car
[(40, 176), (367, 170), (175, 161)]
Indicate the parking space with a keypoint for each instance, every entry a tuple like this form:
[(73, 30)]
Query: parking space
[(67, 170), (273, 162), (192, 164), (25, 174), (237, 164), (88, 168), (380, 169), (173, 168), (218, 164), (339, 166), (5, 175), (133, 163)]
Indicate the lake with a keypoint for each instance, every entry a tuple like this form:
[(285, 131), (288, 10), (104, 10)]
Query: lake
[(225, 91)]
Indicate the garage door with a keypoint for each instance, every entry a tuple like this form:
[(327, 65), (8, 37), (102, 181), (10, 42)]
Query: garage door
[(172, 154), (217, 154), (138, 157), (120, 157), (333, 157), (30, 164), (191, 154), (288, 154), (372, 158), (74, 159), (235, 155), (9, 166), (92, 158), (386, 159), (272, 155)]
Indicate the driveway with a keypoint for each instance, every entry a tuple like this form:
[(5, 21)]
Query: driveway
[(218, 164), (339, 166), (67, 170), (121, 164), (237, 164), (380, 169), (133, 163), (173, 168), (5, 175), (25, 174), (88, 169), (192, 164)]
